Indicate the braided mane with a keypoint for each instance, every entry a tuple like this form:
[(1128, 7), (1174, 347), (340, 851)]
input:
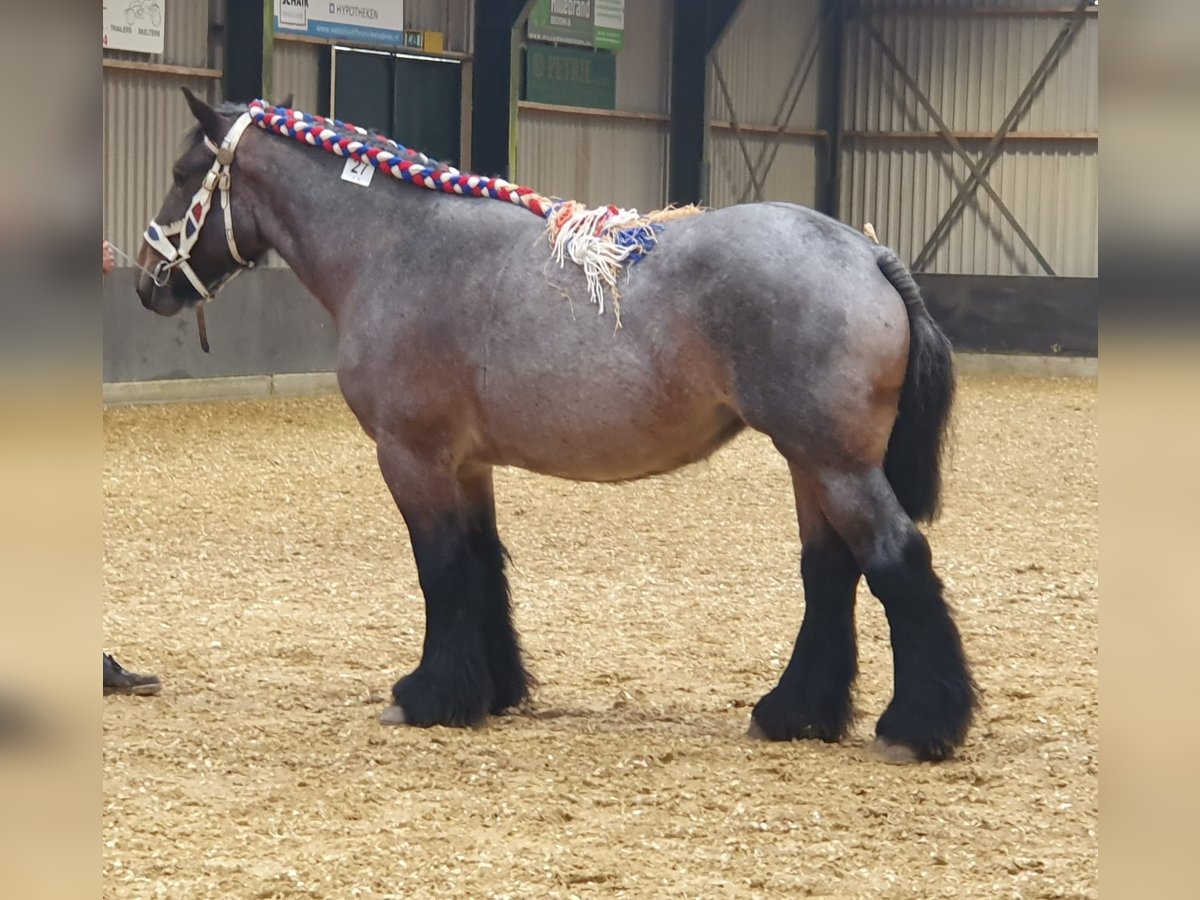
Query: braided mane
[(600, 240)]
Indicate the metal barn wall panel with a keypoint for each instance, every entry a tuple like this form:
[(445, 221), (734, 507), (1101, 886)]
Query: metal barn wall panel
[(145, 119), (600, 159), (296, 69), (758, 54), (644, 62), (973, 68), (621, 161), (792, 177), (1051, 188)]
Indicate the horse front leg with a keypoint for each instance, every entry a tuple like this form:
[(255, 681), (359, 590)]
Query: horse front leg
[(510, 680), (453, 683)]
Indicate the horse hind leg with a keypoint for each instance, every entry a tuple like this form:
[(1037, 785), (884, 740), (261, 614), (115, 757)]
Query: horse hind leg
[(813, 697), (934, 697)]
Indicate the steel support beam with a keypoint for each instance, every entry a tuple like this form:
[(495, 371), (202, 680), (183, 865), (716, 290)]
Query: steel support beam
[(698, 25), (991, 153), (495, 84), (829, 107)]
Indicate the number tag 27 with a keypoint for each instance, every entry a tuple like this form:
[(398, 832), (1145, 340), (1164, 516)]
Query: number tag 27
[(358, 172)]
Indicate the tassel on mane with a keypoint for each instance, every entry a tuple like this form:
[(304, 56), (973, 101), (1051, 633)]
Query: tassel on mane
[(600, 241)]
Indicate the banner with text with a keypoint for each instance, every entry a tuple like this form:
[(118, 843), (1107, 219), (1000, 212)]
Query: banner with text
[(584, 23), (369, 21), (570, 76), (135, 25)]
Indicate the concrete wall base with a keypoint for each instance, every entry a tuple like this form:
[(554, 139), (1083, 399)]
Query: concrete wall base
[(311, 384), (1027, 366), (234, 387)]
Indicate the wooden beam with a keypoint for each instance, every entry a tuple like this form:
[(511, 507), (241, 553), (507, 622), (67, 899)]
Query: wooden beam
[(990, 12), (969, 135), (533, 106), (770, 129), (161, 69)]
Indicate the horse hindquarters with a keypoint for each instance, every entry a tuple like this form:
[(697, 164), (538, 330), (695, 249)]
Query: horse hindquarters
[(839, 457)]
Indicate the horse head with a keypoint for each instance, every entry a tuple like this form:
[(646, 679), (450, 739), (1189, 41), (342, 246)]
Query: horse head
[(205, 230)]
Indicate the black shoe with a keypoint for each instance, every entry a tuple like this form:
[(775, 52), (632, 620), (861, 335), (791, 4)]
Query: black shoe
[(121, 681)]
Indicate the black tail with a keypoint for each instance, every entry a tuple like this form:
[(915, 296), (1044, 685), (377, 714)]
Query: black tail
[(913, 463)]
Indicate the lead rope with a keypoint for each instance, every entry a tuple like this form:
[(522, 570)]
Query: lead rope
[(201, 326), (133, 262)]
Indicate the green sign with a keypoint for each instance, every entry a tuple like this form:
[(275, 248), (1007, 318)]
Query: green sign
[(584, 23), (569, 77), (610, 24)]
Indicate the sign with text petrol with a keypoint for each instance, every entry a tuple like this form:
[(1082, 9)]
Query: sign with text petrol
[(369, 21), (568, 76), (135, 25), (584, 23)]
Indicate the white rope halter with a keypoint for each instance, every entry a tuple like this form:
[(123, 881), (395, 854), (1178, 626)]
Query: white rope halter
[(188, 227)]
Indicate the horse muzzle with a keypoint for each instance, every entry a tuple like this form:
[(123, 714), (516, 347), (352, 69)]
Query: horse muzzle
[(153, 285)]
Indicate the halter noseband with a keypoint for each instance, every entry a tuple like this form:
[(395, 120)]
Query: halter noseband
[(188, 228)]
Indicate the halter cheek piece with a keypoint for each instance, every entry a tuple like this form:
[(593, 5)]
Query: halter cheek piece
[(188, 228)]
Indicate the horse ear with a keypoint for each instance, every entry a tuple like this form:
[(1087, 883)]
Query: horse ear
[(210, 120), (287, 101)]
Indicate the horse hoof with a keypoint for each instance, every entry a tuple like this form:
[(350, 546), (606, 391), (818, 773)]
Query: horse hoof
[(755, 732), (893, 754), (393, 715)]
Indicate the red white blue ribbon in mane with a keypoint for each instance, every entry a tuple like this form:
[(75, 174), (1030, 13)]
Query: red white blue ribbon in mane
[(599, 240)]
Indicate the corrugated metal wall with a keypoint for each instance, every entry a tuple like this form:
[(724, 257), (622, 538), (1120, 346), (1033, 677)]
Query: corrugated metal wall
[(295, 69), (758, 55), (600, 159), (145, 118), (973, 67)]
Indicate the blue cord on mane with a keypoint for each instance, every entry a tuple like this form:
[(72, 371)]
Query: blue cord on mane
[(640, 237)]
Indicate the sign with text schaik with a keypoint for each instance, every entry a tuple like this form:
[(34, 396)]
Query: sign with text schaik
[(368, 21), (584, 23), (135, 25)]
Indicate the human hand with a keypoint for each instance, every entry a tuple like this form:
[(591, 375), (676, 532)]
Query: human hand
[(109, 258)]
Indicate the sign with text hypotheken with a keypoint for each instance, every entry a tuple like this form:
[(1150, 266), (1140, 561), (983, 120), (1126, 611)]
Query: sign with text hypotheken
[(368, 21), (584, 23), (134, 25)]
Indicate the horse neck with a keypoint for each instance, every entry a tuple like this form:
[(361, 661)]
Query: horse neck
[(322, 227)]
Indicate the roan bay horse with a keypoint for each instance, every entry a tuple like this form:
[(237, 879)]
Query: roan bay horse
[(463, 346)]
